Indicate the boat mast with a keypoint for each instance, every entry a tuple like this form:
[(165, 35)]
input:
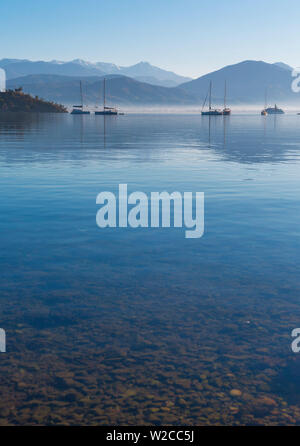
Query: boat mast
[(225, 95), (204, 101), (104, 93), (81, 97), (210, 95)]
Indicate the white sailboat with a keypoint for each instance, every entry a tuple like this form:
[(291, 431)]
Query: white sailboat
[(78, 109), (106, 110), (211, 111), (226, 110)]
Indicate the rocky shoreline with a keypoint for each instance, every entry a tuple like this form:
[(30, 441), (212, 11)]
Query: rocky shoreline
[(17, 101)]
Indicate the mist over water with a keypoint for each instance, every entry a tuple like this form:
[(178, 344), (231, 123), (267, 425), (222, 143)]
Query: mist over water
[(252, 109)]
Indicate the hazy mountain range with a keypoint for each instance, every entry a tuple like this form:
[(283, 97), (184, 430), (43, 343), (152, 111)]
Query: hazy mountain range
[(142, 71), (247, 83), (119, 90)]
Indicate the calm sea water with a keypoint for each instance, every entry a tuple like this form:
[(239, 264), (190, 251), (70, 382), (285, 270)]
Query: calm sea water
[(142, 326)]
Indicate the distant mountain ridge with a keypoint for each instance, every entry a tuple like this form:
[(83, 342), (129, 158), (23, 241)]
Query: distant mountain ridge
[(284, 65), (247, 83), (19, 68), (120, 90)]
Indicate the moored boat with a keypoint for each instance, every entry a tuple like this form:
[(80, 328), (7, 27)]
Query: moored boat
[(226, 110), (271, 110), (211, 111), (107, 111), (274, 110), (79, 109)]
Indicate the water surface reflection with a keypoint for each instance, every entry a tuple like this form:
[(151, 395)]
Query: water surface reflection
[(126, 326)]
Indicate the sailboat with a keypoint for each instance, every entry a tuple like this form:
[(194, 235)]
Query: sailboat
[(211, 111), (78, 109), (226, 110), (106, 110)]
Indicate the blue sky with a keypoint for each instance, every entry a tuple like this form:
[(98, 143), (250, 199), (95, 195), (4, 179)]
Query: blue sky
[(190, 37)]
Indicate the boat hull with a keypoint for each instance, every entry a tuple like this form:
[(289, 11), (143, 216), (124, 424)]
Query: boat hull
[(226, 112), (106, 113), (274, 111), (80, 112), (212, 113)]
